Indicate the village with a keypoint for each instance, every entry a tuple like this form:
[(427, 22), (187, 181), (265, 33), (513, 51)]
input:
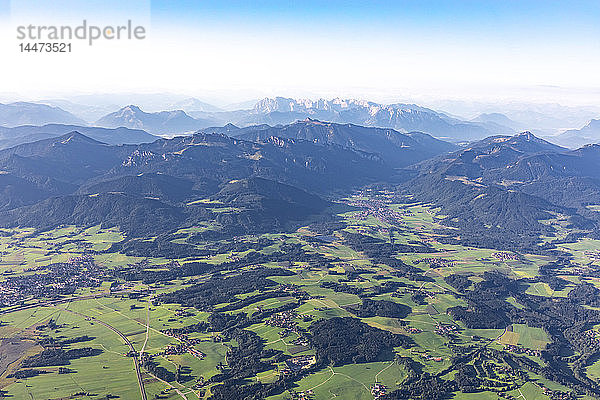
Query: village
[(51, 281)]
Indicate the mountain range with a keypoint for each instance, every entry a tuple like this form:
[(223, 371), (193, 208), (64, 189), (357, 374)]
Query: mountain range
[(282, 111), (501, 189), (169, 115), (94, 106), (395, 148), (186, 115), (498, 190), (543, 119), (73, 179)]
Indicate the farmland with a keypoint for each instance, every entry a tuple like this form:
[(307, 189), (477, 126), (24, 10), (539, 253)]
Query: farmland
[(188, 340)]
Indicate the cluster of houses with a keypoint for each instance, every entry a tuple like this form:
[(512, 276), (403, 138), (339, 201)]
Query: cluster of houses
[(414, 290), (446, 329), (585, 271), (301, 341), (184, 313), (556, 394), (429, 357), (299, 362), (185, 345), (285, 319), (436, 262), (504, 256), (293, 290), (593, 255), (182, 348), (305, 395), (378, 390), (378, 209), (522, 350)]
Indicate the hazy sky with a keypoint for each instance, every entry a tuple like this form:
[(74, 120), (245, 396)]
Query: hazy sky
[(387, 51)]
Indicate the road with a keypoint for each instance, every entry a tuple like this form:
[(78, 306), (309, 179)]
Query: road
[(498, 338), (127, 342), (147, 328), (115, 330)]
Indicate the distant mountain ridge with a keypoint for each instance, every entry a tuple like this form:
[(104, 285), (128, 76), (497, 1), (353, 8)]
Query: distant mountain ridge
[(23, 113), (169, 114), (283, 104), (192, 104), (186, 115), (10, 137), (575, 138), (92, 107), (161, 123), (499, 120), (282, 111), (401, 117)]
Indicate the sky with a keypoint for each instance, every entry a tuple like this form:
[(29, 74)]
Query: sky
[(540, 51)]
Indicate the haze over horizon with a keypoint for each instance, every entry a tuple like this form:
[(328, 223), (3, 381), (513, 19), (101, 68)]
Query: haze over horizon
[(231, 51)]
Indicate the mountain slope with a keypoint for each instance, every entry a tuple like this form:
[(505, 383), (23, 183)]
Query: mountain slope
[(263, 204), (132, 214), (268, 194), (59, 165), (16, 192), (246, 206), (570, 179), (163, 187), (310, 166), (501, 188), (72, 150), (148, 189), (397, 149)]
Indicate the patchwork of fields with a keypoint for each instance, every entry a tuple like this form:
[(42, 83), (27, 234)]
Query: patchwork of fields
[(185, 344)]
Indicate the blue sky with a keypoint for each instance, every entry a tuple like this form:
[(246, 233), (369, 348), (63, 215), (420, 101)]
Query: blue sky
[(469, 22), (482, 16), (388, 49)]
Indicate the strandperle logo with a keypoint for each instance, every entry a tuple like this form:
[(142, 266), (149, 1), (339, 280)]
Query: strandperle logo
[(90, 33)]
